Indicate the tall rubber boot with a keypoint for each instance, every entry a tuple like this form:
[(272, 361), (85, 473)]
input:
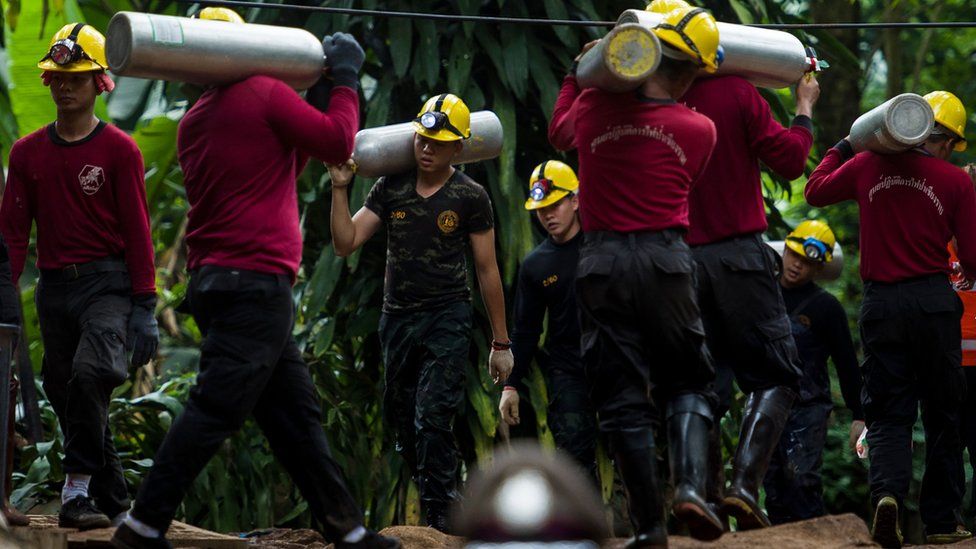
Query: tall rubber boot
[(715, 485), (12, 514), (689, 420), (763, 421), (634, 453)]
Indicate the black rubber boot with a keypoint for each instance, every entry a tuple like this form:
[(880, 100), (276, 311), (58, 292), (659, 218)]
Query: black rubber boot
[(689, 420), (715, 485), (633, 451), (763, 421)]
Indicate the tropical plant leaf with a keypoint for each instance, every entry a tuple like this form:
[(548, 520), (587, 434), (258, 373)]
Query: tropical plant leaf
[(401, 39)]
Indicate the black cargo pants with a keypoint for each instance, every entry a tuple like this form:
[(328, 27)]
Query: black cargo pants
[(793, 483), (249, 364), (642, 337), (571, 415), (967, 423), (746, 325), (912, 354), (83, 326), (426, 356)]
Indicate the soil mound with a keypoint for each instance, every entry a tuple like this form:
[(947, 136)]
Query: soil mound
[(831, 532)]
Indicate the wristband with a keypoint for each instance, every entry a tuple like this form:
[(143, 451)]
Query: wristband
[(509, 388), (500, 346)]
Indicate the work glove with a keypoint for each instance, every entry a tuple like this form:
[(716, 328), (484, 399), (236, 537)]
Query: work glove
[(143, 336), (344, 57), (509, 406), (500, 363)]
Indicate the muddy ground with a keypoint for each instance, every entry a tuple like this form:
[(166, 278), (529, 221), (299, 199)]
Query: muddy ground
[(827, 532)]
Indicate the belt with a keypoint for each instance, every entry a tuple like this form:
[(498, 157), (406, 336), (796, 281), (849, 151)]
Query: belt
[(245, 274), (666, 236), (937, 279), (78, 270)]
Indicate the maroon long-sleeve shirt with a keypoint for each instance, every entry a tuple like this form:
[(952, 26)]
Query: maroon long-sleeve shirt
[(638, 157), (88, 199), (911, 205), (562, 127), (727, 201), (241, 147)]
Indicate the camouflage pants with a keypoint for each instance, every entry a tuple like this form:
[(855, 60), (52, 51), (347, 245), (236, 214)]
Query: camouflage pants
[(426, 355), (572, 417)]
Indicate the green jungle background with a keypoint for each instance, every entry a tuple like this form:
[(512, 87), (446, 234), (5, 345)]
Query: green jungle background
[(516, 72)]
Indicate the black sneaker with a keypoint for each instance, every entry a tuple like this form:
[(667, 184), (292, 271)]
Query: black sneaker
[(371, 540), (127, 538), (80, 512)]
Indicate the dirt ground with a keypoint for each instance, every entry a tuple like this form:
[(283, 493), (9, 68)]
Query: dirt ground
[(838, 531)]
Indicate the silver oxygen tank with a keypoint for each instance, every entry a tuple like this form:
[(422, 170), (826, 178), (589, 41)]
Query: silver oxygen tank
[(831, 271), (894, 126), (767, 58), (621, 61), (210, 53), (388, 150)]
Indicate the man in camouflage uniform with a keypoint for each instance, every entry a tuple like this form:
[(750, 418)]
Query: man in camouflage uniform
[(546, 284), (431, 214)]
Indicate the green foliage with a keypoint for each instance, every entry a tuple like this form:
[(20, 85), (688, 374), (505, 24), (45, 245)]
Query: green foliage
[(514, 71)]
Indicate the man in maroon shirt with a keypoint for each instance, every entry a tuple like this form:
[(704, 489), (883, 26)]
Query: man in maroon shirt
[(746, 324), (911, 204), (241, 147), (81, 181), (642, 336)]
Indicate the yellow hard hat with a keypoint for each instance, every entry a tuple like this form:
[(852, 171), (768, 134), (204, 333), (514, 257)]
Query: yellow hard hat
[(77, 47), (949, 112), (813, 240), (220, 14), (694, 32), (665, 6), (551, 181), (444, 118)]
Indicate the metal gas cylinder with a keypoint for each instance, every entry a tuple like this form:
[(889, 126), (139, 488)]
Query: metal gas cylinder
[(210, 53), (831, 271), (767, 58), (894, 126), (388, 150), (621, 61)]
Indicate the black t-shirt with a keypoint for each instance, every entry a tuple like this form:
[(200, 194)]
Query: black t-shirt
[(546, 283), (820, 330), (427, 242)]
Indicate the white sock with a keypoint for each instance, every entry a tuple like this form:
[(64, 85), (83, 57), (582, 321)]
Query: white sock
[(141, 528), (119, 518), (75, 486), (355, 536)]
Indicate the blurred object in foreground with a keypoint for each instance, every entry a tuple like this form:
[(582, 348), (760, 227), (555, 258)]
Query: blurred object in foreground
[(531, 498)]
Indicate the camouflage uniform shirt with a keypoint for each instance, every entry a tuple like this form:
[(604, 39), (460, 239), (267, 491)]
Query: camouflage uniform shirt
[(427, 239)]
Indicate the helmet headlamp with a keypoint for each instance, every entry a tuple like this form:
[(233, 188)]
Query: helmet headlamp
[(67, 50), (814, 249)]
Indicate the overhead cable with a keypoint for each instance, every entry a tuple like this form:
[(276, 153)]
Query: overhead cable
[(485, 19)]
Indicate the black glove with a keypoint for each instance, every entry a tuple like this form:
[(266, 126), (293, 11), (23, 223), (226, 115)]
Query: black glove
[(143, 336), (344, 56)]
